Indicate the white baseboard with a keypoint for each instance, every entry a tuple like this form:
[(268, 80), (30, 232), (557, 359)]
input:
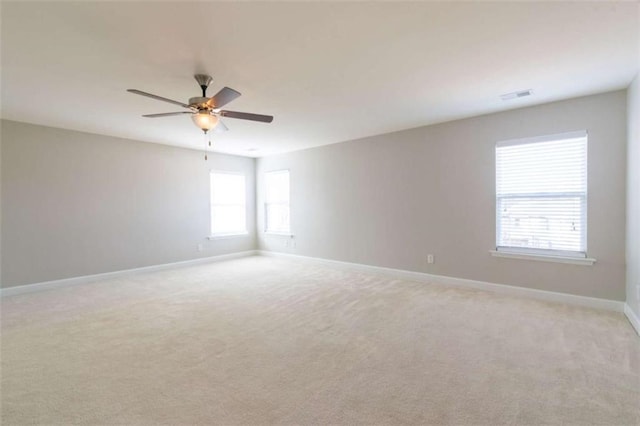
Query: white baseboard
[(49, 285), (632, 317), (591, 302)]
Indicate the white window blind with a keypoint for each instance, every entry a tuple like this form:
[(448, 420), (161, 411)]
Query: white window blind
[(228, 204), (277, 202), (541, 195)]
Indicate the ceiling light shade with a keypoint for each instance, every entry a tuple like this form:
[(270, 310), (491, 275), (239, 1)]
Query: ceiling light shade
[(204, 120)]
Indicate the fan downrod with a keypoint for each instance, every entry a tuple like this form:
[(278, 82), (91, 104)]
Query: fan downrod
[(204, 81)]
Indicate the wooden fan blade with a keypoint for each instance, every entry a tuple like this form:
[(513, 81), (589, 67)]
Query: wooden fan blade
[(223, 97), (166, 114), (247, 116), (160, 98)]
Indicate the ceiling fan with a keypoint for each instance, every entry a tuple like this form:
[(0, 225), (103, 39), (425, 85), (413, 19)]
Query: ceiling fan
[(205, 112)]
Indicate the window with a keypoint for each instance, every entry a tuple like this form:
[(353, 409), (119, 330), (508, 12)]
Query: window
[(228, 204), (541, 195), (277, 202)]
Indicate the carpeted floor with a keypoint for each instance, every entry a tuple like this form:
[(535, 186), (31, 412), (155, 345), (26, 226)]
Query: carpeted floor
[(269, 341)]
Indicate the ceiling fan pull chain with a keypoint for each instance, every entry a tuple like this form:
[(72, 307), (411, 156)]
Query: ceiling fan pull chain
[(205, 145)]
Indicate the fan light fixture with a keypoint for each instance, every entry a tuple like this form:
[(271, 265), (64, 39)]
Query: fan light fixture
[(206, 112), (204, 120)]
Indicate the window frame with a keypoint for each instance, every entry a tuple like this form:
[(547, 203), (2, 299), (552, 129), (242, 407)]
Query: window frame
[(288, 232), (563, 256), (223, 235)]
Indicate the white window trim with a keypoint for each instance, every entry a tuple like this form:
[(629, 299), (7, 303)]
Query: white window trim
[(228, 235), (545, 138), (525, 253), (585, 261), (278, 233)]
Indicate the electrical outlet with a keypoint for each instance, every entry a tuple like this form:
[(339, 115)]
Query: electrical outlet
[(430, 259), (200, 247), (293, 243)]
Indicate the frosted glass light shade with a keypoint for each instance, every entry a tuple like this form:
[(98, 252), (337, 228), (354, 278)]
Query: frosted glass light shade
[(205, 120)]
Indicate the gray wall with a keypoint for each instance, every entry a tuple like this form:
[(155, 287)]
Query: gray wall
[(1, 122), (390, 200), (633, 196), (75, 204)]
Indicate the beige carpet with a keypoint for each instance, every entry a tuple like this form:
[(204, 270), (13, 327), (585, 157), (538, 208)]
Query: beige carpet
[(269, 341)]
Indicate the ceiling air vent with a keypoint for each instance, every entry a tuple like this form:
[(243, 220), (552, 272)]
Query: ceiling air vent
[(514, 95)]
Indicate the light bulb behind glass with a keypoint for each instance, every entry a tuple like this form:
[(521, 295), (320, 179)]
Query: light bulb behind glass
[(205, 120)]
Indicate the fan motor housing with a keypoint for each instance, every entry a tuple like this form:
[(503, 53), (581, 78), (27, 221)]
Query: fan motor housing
[(199, 102)]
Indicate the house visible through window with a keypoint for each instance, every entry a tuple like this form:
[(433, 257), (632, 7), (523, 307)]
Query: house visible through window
[(277, 202), (228, 204), (541, 195)]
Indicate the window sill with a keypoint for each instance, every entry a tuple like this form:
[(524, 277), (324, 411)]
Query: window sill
[(279, 234), (226, 236), (586, 261)]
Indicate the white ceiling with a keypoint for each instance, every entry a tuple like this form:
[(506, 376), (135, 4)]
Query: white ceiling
[(328, 72)]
